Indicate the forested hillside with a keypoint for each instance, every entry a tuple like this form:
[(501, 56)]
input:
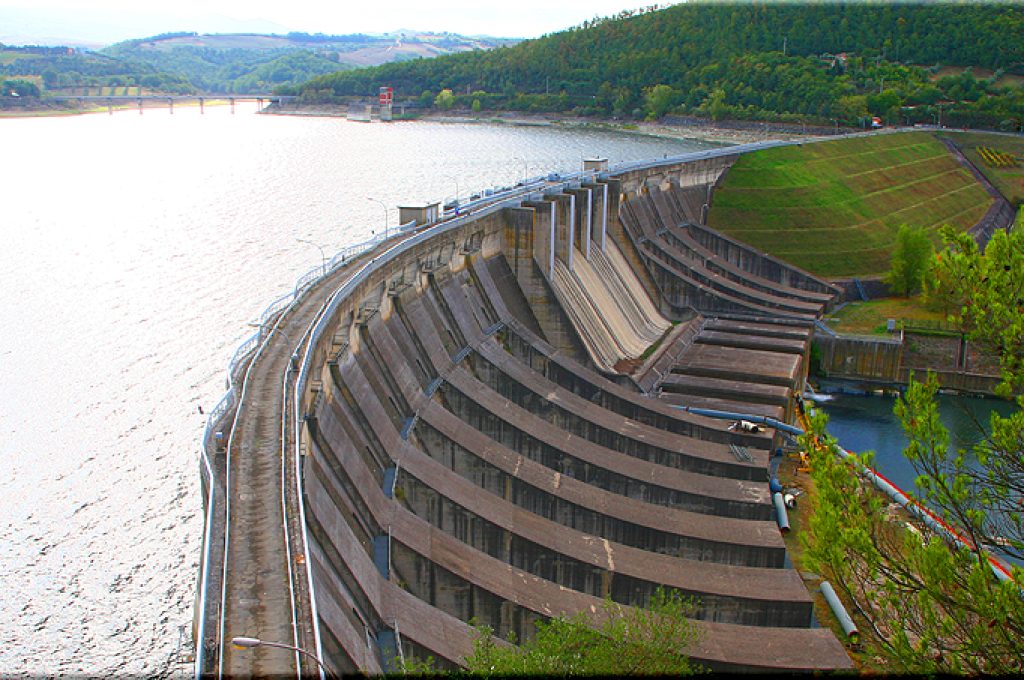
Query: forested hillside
[(761, 60), (56, 68), (188, 62), (259, 63)]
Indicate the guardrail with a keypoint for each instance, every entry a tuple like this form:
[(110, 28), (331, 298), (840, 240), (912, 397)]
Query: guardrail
[(220, 411), (452, 219)]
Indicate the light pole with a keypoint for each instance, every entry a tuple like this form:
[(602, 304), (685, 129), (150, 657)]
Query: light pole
[(381, 203), (323, 255), (247, 642), (526, 166), (456, 192), (276, 329)]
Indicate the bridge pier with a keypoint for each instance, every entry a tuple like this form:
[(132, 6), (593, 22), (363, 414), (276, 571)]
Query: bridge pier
[(139, 100), (201, 110), (232, 100), (110, 107), (170, 104)]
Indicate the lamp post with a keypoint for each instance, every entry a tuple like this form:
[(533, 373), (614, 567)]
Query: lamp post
[(526, 166), (456, 192), (381, 203), (323, 255), (276, 329), (248, 642)]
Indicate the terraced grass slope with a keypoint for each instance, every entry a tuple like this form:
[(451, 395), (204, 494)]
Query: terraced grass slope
[(1009, 179), (833, 208)]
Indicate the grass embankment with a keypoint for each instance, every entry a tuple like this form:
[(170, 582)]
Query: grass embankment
[(871, 317), (1008, 178), (833, 208)]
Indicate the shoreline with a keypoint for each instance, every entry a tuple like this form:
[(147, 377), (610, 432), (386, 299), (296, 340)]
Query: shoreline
[(707, 133)]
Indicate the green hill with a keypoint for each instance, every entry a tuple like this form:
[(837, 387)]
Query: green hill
[(189, 62), (751, 60), (56, 68), (243, 62), (833, 208)]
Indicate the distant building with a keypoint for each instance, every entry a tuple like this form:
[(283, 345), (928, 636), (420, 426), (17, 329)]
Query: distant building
[(423, 214)]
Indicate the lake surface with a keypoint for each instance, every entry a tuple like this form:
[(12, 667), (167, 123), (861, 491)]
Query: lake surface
[(136, 249), (867, 423)]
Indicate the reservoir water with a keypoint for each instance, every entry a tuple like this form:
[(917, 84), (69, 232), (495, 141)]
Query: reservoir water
[(867, 423), (135, 251)]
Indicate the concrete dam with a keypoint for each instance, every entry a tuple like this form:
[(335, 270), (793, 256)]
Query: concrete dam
[(484, 420)]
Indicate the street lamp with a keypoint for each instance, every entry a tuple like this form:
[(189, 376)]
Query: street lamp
[(323, 255), (456, 192), (277, 329), (526, 166), (246, 642), (381, 203)]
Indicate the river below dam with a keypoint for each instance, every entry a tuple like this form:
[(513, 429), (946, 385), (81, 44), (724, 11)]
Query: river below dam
[(867, 423), (136, 249)]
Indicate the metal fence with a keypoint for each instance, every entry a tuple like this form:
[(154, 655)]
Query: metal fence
[(217, 420)]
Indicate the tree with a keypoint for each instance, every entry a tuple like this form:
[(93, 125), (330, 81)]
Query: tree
[(850, 108), (19, 88), (623, 641), (941, 292), (659, 100), (444, 100), (910, 260), (476, 106), (932, 605), (716, 106)]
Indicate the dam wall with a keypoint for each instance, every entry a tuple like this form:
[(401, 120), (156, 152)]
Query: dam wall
[(482, 421), (467, 454), (485, 420)]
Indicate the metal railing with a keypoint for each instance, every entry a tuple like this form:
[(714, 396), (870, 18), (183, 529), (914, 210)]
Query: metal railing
[(220, 411)]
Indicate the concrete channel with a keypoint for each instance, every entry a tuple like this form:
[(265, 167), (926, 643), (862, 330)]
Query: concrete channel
[(480, 423)]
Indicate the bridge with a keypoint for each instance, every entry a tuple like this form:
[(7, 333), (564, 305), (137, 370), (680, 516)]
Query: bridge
[(483, 418), (119, 101)]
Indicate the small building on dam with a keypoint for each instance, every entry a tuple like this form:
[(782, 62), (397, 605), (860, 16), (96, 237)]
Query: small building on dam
[(491, 426)]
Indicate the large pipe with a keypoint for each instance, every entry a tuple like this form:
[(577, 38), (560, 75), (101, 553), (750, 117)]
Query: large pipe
[(730, 415), (931, 520), (847, 624), (781, 516)]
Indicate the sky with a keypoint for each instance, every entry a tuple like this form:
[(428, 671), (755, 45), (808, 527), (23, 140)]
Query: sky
[(107, 21)]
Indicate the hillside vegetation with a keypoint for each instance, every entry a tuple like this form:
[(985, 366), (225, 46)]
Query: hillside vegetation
[(260, 63), (188, 62), (753, 60), (833, 208), (53, 68)]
